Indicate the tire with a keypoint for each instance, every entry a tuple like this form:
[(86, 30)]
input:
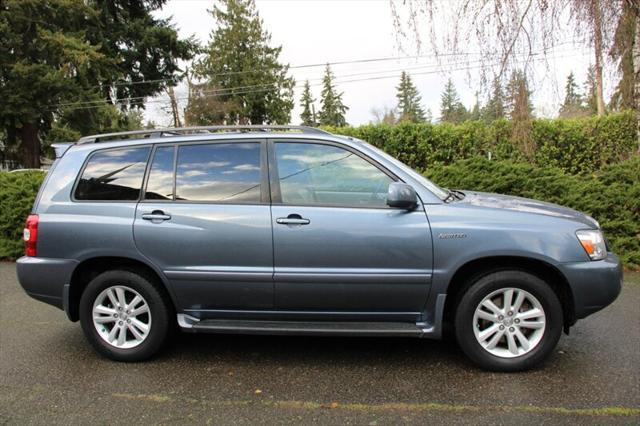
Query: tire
[(527, 338), (146, 328)]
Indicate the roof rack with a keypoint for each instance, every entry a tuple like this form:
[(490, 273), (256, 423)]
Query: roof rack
[(176, 131)]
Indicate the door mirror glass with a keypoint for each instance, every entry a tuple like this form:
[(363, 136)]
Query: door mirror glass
[(402, 196)]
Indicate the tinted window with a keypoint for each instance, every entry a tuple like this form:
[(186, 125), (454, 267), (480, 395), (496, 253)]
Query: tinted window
[(113, 175), (219, 172), (160, 183), (328, 175)]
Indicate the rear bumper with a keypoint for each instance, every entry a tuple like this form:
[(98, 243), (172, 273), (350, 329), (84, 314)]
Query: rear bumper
[(594, 284), (45, 279)]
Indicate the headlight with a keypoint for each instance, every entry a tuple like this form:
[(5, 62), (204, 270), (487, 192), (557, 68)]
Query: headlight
[(593, 243)]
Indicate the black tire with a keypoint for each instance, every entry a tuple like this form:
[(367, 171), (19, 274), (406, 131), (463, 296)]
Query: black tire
[(484, 286), (159, 305)]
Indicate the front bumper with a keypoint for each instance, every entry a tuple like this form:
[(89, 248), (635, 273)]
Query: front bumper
[(44, 279), (594, 284)]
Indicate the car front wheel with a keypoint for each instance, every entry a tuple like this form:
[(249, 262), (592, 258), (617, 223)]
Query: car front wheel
[(508, 321)]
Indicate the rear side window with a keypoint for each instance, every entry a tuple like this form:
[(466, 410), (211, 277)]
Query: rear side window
[(160, 184), (219, 172), (113, 175)]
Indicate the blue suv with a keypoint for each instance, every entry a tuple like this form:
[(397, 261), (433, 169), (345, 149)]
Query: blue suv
[(292, 230)]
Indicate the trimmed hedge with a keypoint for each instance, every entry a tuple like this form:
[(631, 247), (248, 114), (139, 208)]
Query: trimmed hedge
[(17, 192), (580, 145), (611, 195)]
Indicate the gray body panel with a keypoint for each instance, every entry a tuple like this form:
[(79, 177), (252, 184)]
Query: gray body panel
[(235, 261)]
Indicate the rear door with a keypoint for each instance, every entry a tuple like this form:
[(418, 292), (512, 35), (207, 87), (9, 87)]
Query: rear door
[(338, 248), (205, 220)]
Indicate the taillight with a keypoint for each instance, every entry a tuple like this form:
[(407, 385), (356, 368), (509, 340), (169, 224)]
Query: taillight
[(30, 235)]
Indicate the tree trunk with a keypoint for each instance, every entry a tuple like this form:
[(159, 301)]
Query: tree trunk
[(30, 146), (636, 72), (597, 37)]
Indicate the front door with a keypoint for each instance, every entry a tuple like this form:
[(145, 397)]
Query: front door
[(205, 220), (338, 248)]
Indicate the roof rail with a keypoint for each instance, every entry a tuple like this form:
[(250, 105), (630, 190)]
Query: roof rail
[(176, 131)]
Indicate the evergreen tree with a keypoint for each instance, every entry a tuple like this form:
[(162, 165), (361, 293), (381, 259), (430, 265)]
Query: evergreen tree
[(244, 69), (409, 100), (494, 110), (591, 91), (518, 99), (451, 109), (308, 114), (520, 112), (622, 51), (63, 64), (332, 109), (572, 105)]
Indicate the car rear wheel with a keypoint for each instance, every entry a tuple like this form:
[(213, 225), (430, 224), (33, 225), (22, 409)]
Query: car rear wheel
[(125, 316), (508, 321)]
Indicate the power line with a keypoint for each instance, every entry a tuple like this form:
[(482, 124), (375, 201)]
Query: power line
[(233, 90), (337, 63), (268, 87)]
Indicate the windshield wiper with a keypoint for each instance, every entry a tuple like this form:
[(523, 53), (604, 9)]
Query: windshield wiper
[(450, 196), (459, 194)]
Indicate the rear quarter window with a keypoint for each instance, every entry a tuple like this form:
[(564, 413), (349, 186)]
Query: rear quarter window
[(113, 175)]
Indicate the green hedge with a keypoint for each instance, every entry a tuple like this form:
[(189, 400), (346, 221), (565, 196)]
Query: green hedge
[(574, 145), (611, 195), (17, 192)]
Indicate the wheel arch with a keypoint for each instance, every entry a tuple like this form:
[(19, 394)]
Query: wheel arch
[(90, 268), (474, 269)]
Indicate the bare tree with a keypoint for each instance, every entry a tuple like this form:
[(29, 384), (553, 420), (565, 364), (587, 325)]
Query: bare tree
[(507, 34)]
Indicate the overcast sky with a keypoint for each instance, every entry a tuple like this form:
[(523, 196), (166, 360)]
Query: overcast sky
[(317, 31)]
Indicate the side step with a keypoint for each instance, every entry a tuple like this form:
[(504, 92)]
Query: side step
[(327, 328)]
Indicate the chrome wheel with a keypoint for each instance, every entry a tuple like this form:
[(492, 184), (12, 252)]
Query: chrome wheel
[(509, 322), (122, 317)]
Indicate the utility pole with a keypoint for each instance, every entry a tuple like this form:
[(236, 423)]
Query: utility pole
[(174, 107)]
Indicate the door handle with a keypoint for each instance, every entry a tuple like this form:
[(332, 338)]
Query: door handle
[(156, 216), (293, 219)]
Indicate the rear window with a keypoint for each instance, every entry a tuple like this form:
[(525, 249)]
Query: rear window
[(113, 175), (219, 172)]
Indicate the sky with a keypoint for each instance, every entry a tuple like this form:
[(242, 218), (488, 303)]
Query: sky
[(320, 31)]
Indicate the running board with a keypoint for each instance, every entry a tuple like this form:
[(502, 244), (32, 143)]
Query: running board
[(327, 328)]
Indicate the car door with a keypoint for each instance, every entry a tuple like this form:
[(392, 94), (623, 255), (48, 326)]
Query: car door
[(338, 248), (205, 221)]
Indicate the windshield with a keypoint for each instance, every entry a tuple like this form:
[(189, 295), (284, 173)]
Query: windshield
[(435, 189)]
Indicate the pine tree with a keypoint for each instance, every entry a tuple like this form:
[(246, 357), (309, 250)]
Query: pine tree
[(332, 109), (520, 112), (622, 51), (451, 109), (244, 68), (591, 91), (409, 100), (494, 110), (308, 114), (572, 105)]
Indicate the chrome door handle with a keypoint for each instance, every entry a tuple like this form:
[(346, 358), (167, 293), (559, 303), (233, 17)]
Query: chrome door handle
[(293, 219), (156, 216)]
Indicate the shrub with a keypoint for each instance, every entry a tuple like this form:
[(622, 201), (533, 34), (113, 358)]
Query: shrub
[(17, 193), (576, 146), (611, 195)]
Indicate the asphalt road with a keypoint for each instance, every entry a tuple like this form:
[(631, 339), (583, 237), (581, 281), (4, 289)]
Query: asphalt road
[(50, 375)]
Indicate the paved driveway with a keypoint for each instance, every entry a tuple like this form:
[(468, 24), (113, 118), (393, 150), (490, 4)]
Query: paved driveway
[(49, 375)]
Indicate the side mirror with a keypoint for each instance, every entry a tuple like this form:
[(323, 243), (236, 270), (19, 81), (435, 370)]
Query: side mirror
[(402, 196)]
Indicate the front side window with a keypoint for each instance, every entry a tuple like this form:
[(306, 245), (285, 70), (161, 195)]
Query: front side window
[(314, 174), (220, 172), (113, 175)]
